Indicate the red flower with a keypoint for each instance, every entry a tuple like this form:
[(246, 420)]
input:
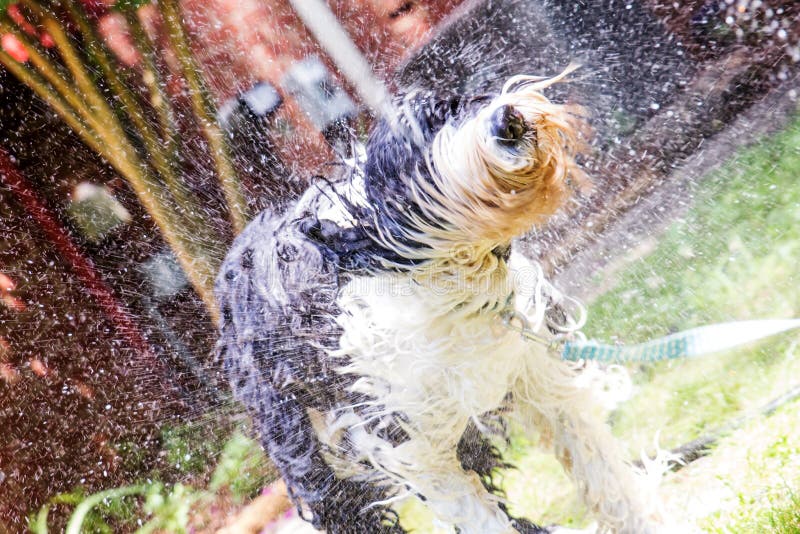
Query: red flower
[(17, 16), (14, 47), (46, 40), (7, 285)]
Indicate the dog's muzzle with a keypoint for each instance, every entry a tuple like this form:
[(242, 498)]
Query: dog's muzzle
[(508, 126)]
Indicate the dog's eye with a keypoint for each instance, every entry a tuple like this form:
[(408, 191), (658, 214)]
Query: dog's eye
[(508, 125)]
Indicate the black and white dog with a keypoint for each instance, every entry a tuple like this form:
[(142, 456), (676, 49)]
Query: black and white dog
[(363, 327)]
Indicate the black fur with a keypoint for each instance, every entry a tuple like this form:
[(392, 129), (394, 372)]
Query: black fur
[(275, 353)]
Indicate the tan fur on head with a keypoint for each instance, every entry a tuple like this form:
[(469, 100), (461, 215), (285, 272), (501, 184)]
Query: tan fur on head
[(488, 194)]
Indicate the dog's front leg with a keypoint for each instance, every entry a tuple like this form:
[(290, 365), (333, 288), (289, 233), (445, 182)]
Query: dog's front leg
[(456, 497), (550, 397)]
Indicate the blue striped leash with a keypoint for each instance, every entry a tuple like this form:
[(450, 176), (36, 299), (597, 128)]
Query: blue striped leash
[(687, 344)]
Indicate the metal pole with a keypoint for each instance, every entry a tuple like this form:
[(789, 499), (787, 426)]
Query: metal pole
[(330, 34)]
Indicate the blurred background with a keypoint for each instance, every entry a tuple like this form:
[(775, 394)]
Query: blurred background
[(137, 138)]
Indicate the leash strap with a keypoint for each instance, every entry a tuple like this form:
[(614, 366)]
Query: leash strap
[(689, 343)]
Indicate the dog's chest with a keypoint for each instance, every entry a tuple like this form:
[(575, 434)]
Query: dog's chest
[(418, 352)]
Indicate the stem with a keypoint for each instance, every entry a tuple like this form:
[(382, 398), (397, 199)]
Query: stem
[(106, 137), (152, 78), (39, 525), (198, 269), (83, 509), (52, 73), (131, 107), (205, 115), (105, 120), (70, 100), (106, 125), (39, 86), (186, 206), (58, 79)]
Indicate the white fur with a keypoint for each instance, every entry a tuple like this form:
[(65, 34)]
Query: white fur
[(442, 356)]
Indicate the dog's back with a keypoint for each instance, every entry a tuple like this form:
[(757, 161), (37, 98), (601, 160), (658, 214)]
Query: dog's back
[(277, 294)]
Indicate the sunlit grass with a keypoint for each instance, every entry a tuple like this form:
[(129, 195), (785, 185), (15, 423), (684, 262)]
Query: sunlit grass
[(754, 477), (735, 255)]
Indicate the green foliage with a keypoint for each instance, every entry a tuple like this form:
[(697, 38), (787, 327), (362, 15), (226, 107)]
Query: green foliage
[(241, 468), (239, 473), (111, 500), (759, 469), (169, 510), (780, 516), (92, 512), (187, 449)]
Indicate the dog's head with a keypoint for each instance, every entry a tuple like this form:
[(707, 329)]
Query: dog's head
[(470, 171)]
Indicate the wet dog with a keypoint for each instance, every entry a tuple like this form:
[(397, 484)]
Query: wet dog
[(363, 327)]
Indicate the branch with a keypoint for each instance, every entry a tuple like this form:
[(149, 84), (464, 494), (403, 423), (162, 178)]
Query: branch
[(205, 115)]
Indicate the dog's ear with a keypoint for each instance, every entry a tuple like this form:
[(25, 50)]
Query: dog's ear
[(431, 111), (434, 112), (394, 150)]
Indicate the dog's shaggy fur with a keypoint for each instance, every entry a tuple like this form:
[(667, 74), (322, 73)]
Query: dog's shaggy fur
[(363, 326)]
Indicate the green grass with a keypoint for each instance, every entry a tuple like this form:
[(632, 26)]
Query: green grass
[(734, 255), (754, 476)]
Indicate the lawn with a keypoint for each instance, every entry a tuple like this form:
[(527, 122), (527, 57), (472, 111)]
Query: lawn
[(734, 255)]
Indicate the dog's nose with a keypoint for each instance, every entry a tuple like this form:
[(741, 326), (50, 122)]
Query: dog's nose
[(508, 125)]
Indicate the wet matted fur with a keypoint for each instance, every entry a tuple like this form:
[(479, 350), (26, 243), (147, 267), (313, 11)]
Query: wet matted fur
[(362, 325)]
